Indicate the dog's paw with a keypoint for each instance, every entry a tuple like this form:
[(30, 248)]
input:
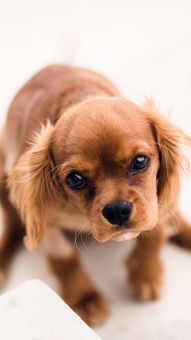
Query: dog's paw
[(92, 308), (148, 290), (146, 279)]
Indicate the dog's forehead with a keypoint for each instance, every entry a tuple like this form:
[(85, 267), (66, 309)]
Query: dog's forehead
[(108, 132)]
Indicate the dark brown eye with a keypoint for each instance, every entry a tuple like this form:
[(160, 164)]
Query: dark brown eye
[(140, 163), (76, 181)]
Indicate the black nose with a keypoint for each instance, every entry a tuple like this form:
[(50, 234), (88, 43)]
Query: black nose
[(117, 212)]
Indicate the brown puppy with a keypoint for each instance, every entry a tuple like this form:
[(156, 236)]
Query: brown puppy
[(76, 153)]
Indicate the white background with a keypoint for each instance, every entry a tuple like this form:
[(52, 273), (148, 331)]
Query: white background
[(145, 47)]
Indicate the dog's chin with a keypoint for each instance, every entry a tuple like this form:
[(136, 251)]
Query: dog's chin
[(120, 236), (125, 236)]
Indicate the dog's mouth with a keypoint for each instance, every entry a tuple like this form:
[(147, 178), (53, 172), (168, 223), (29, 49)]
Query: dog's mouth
[(124, 233)]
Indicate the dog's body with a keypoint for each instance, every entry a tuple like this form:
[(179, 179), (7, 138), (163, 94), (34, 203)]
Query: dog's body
[(98, 163)]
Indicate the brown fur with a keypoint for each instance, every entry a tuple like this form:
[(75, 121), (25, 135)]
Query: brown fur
[(77, 289), (12, 232), (67, 119)]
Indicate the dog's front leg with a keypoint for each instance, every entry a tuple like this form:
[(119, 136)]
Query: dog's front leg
[(144, 265), (76, 288)]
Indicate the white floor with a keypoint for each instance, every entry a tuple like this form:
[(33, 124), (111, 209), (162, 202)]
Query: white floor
[(145, 47), (167, 319)]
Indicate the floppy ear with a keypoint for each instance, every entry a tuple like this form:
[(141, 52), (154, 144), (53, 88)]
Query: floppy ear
[(171, 143), (31, 185)]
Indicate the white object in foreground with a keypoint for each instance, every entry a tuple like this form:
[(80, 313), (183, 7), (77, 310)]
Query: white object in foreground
[(34, 312)]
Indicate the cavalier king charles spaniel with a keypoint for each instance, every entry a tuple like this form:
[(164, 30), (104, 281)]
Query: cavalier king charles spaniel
[(75, 154)]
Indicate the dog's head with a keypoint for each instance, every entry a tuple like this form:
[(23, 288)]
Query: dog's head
[(107, 163)]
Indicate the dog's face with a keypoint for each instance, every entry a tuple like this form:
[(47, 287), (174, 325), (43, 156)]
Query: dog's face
[(107, 162), (108, 165)]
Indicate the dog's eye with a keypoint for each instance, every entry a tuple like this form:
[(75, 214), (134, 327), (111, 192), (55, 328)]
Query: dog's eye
[(140, 163), (76, 181)]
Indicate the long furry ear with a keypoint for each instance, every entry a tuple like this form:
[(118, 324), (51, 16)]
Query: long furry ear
[(30, 186), (172, 144)]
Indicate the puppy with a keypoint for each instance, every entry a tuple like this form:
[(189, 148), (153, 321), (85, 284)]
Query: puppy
[(76, 154)]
